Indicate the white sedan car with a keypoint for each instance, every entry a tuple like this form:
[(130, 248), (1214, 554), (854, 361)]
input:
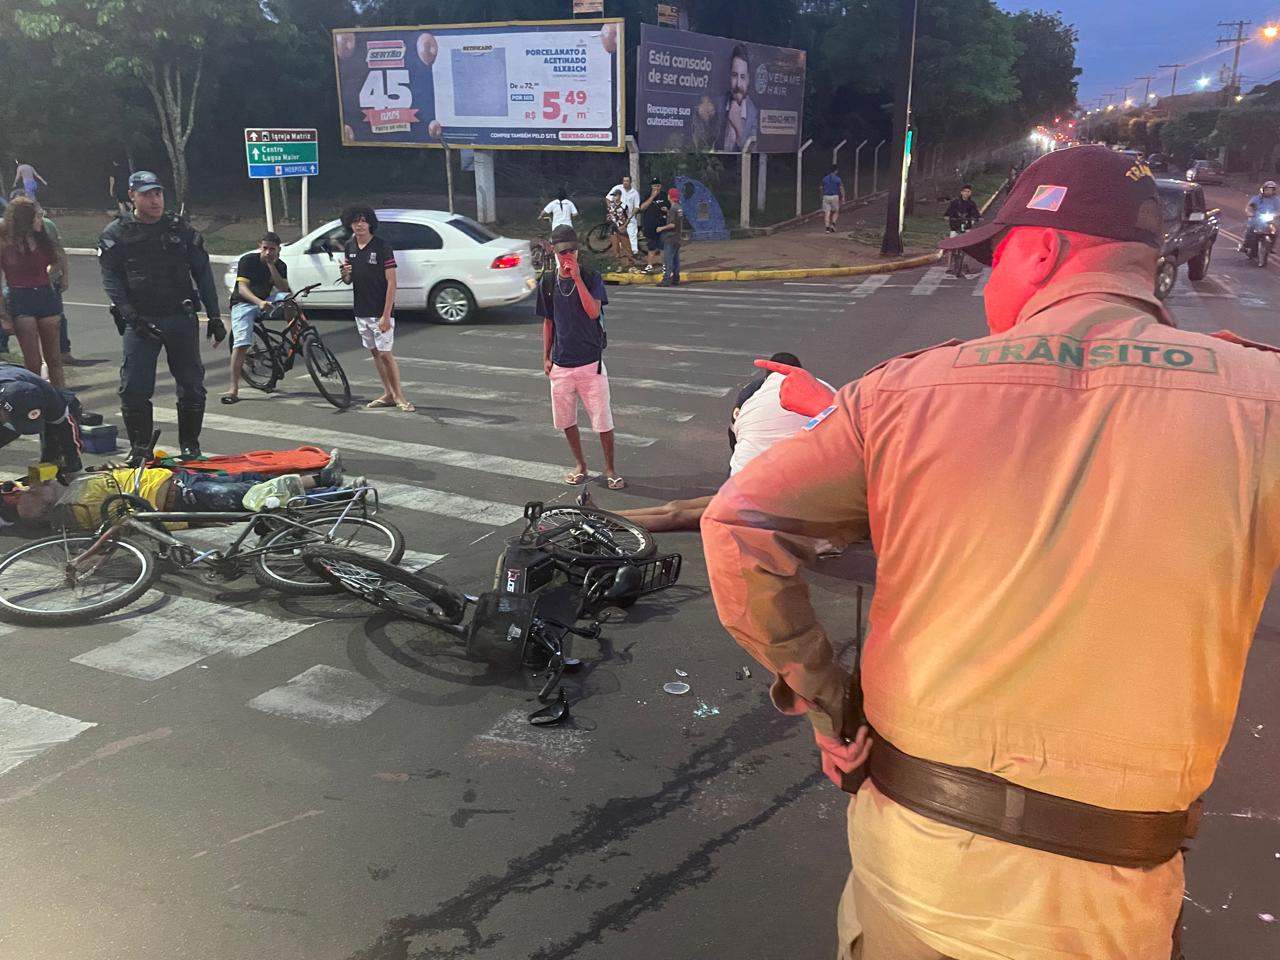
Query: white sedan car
[(446, 264)]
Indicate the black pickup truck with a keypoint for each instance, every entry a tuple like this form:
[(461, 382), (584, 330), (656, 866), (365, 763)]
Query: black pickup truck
[(1189, 233)]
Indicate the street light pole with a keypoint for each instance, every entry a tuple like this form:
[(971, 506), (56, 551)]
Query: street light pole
[(891, 244), (1147, 94)]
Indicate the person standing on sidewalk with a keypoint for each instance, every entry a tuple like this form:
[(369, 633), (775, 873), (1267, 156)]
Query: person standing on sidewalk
[(571, 304), (630, 200), (27, 176), (370, 267), (653, 214), (616, 215), (1060, 628), (832, 198), (61, 280), (671, 232), (154, 265), (28, 260)]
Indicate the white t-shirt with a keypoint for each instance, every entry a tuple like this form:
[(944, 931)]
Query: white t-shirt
[(762, 422), (630, 198), (562, 212)]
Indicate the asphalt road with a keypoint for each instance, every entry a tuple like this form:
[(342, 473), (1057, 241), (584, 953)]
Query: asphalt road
[(216, 774)]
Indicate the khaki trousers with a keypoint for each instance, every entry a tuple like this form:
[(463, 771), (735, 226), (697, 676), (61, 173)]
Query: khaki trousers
[(883, 936)]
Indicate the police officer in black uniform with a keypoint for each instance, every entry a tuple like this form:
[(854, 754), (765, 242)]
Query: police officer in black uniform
[(31, 405), (154, 268)]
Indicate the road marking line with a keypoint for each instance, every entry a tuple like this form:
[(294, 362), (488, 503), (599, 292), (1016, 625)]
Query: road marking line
[(415, 561), (325, 695), (981, 286), (393, 449), (181, 632), (525, 372), (930, 282), (408, 496), (659, 347), (27, 731), (869, 285)]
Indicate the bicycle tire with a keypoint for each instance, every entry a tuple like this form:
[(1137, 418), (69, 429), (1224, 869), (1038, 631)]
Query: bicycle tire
[(261, 369), (600, 238), (322, 364), (636, 542), (13, 571), (283, 569), (414, 596)]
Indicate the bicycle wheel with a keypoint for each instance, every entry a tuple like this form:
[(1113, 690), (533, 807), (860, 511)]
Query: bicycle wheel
[(261, 370), (586, 536), (600, 238), (281, 567), (414, 596), (39, 587), (326, 371)]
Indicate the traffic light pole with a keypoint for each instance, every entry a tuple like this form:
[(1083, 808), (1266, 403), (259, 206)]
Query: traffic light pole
[(891, 245)]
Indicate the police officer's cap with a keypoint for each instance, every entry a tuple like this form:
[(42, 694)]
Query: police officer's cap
[(143, 180)]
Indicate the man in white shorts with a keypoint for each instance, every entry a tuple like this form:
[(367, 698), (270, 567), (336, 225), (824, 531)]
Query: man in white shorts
[(370, 267), (570, 303)]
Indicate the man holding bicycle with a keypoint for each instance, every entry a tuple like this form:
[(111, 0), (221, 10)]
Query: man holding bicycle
[(257, 275), (961, 215)]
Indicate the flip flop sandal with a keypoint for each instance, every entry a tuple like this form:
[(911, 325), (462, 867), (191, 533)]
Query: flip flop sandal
[(229, 399), (378, 404), (574, 479), (406, 407), (616, 483)]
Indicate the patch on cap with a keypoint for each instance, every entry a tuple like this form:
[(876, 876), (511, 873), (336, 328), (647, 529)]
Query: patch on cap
[(34, 414), (1047, 197)]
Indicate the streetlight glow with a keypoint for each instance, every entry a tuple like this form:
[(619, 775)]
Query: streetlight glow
[(1270, 31), (1202, 83)]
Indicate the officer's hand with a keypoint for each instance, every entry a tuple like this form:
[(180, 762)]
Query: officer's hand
[(216, 331), (839, 758), (801, 391), (6, 323)]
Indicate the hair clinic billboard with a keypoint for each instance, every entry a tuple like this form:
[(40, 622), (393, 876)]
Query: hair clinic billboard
[(702, 93), (540, 85)]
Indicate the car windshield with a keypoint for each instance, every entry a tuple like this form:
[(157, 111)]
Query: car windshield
[(1171, 206), (472, 229)]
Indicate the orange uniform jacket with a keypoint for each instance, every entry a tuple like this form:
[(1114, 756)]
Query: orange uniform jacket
[(1076, 522)]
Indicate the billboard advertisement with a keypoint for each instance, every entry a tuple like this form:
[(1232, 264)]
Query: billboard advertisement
[(704, 93), (547, 85)]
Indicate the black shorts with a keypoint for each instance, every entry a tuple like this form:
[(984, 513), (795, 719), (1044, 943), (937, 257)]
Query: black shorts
[(653, 239)]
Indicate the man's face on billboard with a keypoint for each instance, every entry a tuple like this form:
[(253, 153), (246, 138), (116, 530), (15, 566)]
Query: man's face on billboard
[(738, 79)]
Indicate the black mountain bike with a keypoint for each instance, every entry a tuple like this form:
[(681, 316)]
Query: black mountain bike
[(272, 353), (567, 565)]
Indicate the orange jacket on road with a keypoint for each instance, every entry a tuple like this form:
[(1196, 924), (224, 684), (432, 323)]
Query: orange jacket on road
[(1076, 523)]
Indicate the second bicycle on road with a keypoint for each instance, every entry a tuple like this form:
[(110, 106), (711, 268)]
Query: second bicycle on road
[(272, 353)]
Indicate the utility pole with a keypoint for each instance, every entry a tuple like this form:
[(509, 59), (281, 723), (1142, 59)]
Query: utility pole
[(1147, 95), (891, 244), (1173, 90), (1239, 42), (1124, 98)]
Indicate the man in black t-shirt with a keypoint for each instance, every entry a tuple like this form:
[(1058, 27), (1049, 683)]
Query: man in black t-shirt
[(369, 265), (653, 214), (570, 302), (257, 276)]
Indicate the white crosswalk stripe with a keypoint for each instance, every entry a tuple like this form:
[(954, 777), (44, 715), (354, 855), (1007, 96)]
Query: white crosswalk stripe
[(930, 282), (27, 731), (870, 285), (657, 347), (181, 631), (525, 372), (324, 695), (408, 496)]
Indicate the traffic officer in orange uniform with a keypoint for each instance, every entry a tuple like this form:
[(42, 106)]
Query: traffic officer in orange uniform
[(1077, 520)]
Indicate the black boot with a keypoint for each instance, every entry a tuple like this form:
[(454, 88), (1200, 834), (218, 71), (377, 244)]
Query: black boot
[(190, 420), (138, 427)]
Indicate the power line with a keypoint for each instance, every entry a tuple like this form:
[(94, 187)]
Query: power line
[(1239, 42), (1176, 67), (1147, 95)]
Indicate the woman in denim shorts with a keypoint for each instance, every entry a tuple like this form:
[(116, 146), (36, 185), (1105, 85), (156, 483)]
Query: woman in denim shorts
[(34, 307)]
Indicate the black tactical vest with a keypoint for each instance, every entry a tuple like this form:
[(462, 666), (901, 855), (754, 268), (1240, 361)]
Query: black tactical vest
[(157, 261)]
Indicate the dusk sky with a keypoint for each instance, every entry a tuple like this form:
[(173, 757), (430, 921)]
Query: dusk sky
[(1122, 40)]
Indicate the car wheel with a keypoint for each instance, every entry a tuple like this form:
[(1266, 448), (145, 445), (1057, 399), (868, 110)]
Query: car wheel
[(1166, 276), (451, 302), (1198, 268)]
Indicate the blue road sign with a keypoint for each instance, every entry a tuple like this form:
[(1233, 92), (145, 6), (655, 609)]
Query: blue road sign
[(261, 170)]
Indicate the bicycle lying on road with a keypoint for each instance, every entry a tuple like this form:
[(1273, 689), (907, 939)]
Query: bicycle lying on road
[(567, 565), (75, 578), (272, 353)]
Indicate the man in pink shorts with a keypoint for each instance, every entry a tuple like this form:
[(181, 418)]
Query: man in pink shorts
[(570, 303)]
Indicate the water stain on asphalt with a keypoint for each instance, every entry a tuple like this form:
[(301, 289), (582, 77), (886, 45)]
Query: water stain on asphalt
[(460, 816), (453, 928), (380, 873)]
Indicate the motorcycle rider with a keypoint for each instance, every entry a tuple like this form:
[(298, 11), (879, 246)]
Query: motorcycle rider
[(961, 215), (1263, 208)]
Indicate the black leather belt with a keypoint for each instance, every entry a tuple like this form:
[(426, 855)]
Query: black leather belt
[(985, 804)]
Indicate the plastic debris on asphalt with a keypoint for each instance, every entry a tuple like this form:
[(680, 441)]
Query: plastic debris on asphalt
[(705, 709), (681, 673), (676, 687), (744, 673)]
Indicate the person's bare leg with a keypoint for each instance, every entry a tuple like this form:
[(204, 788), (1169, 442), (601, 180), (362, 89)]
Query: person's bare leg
[(237, 365), (377, 366), (28, 336), (51, 347), (606, 445), (574, 436), (393, 377)]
